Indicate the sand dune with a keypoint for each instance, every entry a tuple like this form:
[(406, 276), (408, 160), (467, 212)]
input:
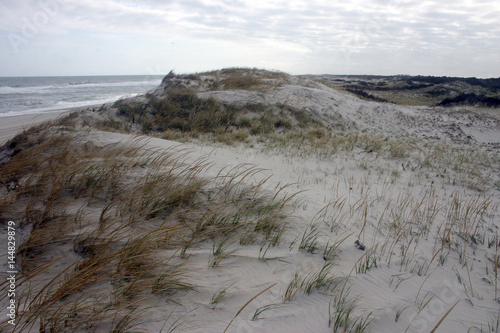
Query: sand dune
[(418, 186)]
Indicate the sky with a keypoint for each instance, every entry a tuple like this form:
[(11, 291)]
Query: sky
[(152, 37)]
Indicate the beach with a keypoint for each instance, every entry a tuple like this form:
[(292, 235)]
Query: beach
[(10, 126), (26, 101)]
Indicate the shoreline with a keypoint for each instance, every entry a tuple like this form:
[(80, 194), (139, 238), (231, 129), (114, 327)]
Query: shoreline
[(10, 126)]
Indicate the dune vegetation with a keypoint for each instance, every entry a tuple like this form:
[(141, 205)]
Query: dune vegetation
[(251, 200)]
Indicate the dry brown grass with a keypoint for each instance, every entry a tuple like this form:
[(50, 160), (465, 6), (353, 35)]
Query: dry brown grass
[(123, 219)]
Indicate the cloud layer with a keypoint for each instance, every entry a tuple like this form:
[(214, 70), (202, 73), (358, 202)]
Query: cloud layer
[(62, 37)]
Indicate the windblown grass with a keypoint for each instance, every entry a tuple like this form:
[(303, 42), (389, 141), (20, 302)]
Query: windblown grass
[(129, 215), (126, 223), (307, 283)]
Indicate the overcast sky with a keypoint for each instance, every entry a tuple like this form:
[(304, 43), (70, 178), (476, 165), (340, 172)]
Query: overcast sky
[(103, 37)]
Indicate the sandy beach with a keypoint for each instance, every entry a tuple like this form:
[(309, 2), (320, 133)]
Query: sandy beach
[(12, 125)]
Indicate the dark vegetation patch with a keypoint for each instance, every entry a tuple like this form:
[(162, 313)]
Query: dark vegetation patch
[(492, 84), (471, 99), (420, 90), (181, 110), (365, 95)]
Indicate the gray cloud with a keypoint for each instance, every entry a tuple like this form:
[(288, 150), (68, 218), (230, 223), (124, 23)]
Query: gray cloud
[(321, 36)]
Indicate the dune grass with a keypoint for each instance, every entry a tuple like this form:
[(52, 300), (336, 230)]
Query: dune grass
[(127, 214), (127, 222)]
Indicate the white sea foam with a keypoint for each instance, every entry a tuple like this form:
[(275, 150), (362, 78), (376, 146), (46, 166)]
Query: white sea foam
[(34, 95)]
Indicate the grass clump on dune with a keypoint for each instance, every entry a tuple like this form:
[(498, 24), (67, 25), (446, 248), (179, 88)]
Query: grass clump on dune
[(180, 109), (240, 78), (107, 229), (179, 113)]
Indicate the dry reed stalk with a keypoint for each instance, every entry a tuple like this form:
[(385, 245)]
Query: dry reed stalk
[(495, 267), (444, 317), (245, 305)]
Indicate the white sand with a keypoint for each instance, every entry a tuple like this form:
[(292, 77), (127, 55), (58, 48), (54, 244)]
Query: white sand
[(12, 125), (382, 291), (384, 189)]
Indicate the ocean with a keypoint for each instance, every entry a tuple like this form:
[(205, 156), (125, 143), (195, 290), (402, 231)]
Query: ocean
[(28, 95)]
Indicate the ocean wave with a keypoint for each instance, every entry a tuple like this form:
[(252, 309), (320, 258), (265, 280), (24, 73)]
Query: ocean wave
[(26, 90), (6, 90), (62, 105), (27, 112), (115, 84)]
